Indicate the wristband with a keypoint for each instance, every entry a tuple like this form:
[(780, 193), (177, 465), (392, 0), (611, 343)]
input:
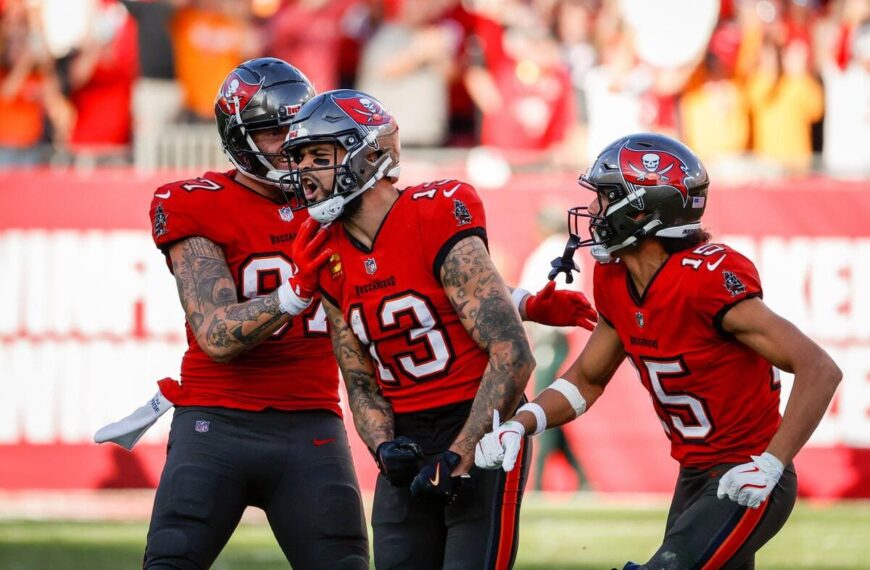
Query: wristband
[(289, 301), (540, 416), (571, 393), (517, 296)]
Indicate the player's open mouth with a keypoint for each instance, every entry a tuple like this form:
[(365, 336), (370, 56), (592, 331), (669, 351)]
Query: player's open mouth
[(310, 186)]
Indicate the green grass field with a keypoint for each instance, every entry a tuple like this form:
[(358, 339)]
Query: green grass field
[(558, 533)]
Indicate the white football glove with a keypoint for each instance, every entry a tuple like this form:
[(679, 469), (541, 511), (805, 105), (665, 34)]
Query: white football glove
[(500, 447), (750, 484), (128, 431)]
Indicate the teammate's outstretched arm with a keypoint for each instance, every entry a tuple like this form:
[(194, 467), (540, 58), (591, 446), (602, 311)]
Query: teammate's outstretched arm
[(559, 403), (223, 326), (815, 380), (555, 307), (481, 299)]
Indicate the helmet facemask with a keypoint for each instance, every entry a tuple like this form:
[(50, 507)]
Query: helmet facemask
[(247, 157), (619, 223), (371, 152)]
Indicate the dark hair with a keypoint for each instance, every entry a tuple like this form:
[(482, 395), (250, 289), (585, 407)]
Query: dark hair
[(693, 239)]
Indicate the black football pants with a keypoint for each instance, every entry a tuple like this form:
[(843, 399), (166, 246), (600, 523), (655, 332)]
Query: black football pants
[(706, 532), (479, 531), (296, 466)]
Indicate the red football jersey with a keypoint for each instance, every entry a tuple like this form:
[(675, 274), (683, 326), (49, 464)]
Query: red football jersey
[(717, 399), (293, 370), (391, 296)]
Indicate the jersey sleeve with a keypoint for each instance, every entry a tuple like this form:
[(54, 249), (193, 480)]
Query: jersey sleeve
[(453, 213), (171, 217), (727, 280)]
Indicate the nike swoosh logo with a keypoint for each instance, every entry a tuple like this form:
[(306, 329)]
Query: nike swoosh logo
[(437, 478), (449, 193), (713, 266), (319, 442), (164, 195)]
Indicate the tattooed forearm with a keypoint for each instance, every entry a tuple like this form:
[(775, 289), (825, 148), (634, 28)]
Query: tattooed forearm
[(254, 311), (217, 334), (372, 413), (223, 326), (482, 301)]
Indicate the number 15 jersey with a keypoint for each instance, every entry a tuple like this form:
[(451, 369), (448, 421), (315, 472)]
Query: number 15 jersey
[(717, 399)]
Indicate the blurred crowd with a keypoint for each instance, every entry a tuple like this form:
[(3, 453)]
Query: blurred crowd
[(780, 83)]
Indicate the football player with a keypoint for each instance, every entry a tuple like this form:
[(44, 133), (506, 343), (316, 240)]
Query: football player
[(688, 315), (427, 335), (257, 419)]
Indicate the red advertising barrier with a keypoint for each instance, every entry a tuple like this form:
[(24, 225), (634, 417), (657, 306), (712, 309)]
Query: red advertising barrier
[(91, 319)]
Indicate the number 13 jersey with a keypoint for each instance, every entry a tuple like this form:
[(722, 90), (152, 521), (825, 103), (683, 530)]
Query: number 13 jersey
[(717, 399), (392, 297)]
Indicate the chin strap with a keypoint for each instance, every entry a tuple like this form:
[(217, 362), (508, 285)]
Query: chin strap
[(330, 209), (565, 264)]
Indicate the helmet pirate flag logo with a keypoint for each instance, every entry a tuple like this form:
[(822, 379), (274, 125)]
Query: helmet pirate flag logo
[(364, 111), (236, 90), (649, 167)]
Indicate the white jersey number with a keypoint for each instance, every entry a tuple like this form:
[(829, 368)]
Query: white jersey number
[(425, 332), (659, 370), (263, 274)]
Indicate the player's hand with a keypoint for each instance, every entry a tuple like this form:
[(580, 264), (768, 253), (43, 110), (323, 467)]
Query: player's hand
[(308, 256), (500, 447), (750, 484), (560, 308), (435, 481), (128, 431), (399, 460)]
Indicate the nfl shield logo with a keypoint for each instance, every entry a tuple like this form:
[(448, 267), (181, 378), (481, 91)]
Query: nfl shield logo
[(286, 213), (638, 316), (201, 426), (371, 265)]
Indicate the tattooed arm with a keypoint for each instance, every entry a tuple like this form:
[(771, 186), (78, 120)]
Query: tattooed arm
[(372, 413), (224, 327), (483, 303)]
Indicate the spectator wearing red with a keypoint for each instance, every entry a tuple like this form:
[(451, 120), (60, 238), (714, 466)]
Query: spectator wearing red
[(315, 35), (525, 95), (101, 77)]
